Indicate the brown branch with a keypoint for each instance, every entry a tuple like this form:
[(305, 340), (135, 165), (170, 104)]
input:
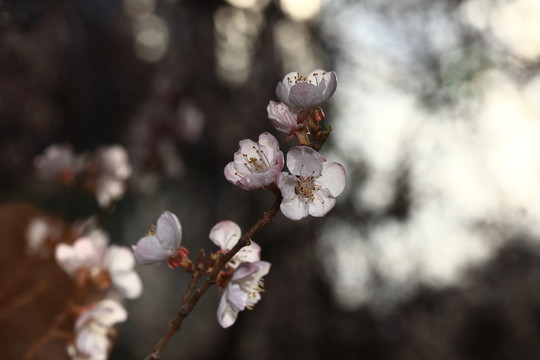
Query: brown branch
[(187, 306), (28, 296), (51, 333)]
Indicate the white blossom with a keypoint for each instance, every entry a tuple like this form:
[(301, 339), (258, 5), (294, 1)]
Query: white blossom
[(160, 244), (313, 185), (93, 330), (255, 164), (243, 291), (226, 234), (101, 264), (302, 93)]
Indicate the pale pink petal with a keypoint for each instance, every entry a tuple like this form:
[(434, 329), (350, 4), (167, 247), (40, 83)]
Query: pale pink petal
[(92, 345), (332, 177), (149, 251), (249, 253), (322, 203), (306, 96), (286, 184), (128, 283), (231, 173), (244, 270), (281, 117), (119, 258), (226, 315), (237, 298), (225, 234), (304, 161), (169, 231), (269, 146), (294, 209), (82, 254)]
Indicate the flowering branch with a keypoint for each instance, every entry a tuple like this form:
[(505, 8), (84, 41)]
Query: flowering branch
[(193, 297)]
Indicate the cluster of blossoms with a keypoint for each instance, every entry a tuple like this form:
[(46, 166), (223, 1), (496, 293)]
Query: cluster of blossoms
[(241, 280), (309, 188), (103, 173), (313, 183), (105, 273)]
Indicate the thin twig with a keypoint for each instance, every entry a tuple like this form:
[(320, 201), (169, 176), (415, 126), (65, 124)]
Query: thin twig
[(188, 306), (28, 296), (51, 333)]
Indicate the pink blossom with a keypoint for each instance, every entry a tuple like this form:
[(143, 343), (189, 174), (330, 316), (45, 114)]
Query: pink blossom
[(93, 330), (302, 93), (282, 118), (243, 291), (160, 244), (100, 264), (226, 234), (313, 185), (256, 164)]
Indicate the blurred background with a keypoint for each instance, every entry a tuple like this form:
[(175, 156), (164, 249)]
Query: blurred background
[(433, 249)]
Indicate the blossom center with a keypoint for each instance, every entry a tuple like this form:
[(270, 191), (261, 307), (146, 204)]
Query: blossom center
[(253, 289), (298, 78), (306, 189), (258, 164)]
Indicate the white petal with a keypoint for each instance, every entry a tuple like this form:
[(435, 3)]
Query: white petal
[(169, 231), (128, 283), (225, 234), (226, 315), (306, 96), (287, 184), (294, 209), (281, 117), (93, 345), (109, 312), (119, 258), (236, 297), (231, 173), (251, 253), (304, 161), (333, 177), (83, 254), (244, 271), (322, 203), (269, 145), (149, 251)]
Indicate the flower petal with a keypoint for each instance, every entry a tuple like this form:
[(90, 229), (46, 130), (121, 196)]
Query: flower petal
[(333, 177), (244, 271), (225, 234), (169, 231), (237, 298), (281, 117), (226, 315), (249, 253), (149, 251), (322, 203), (119, 258), (128, 283), (294, 209), (287, 184), (304, 161), (306, 96), (82, 254)]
